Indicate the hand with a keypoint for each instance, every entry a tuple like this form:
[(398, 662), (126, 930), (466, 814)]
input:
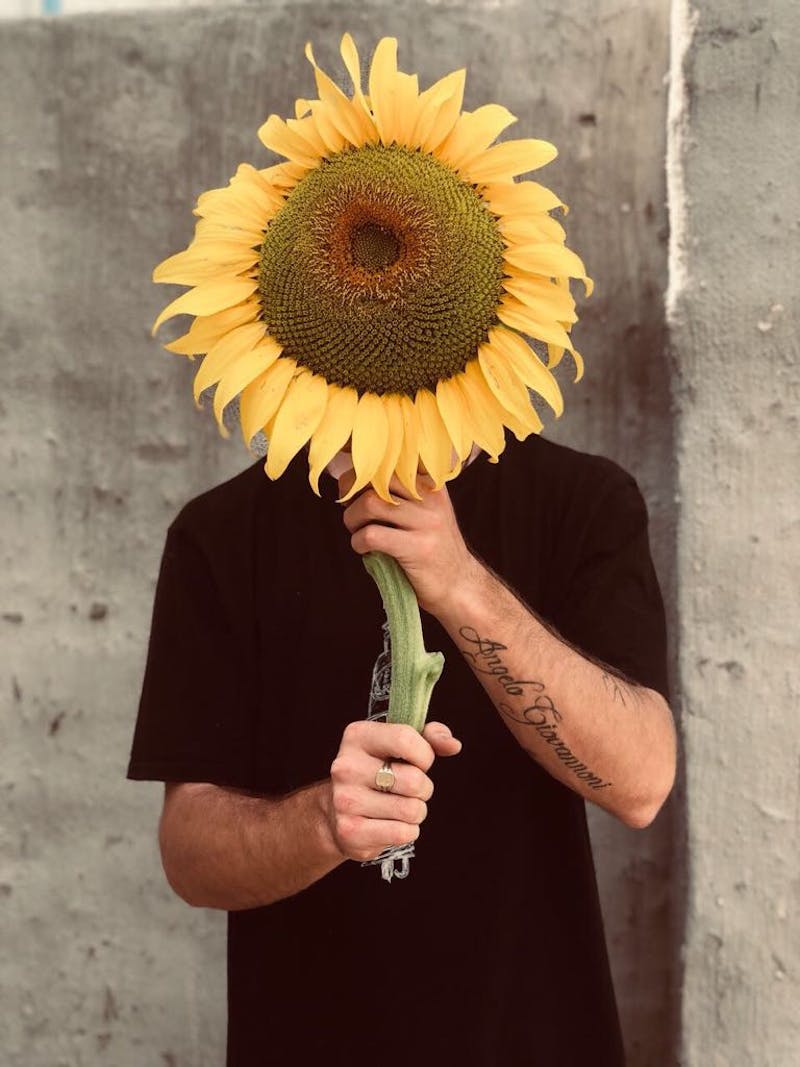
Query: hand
[(422, 535), (362, 819)]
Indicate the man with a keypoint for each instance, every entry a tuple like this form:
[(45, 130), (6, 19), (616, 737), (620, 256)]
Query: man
[(536, 581)]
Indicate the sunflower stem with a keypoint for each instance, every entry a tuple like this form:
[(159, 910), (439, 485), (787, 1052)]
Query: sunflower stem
[(414, 670)]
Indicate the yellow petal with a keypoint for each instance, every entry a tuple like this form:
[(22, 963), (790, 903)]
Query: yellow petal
[(382, 90), (520, 198), (242, 371), (349, 54), (506, 385), (472, 134), (549, 259), (503, 161), (386, 467), (325, 116), (530, 229), (276, 135), (333, 431), (208, 329), (205, 260), (451, 407), (250, 236), (429, 104), (297, 418), (443, 117), (222, 354), (528, 367), (261, 398), (482, 410), (435, 446), (283, 175), (546, 300), (520, 317), (369, 440), (208, 298), (407, 465)]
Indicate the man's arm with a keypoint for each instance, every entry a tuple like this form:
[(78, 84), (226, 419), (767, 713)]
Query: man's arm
[(223, 848), (230, 849), (611, 741)]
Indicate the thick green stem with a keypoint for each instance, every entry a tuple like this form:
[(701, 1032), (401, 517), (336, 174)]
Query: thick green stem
[(414, 671)]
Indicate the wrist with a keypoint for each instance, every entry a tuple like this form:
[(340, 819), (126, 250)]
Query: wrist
[(324, 821), (464, 595)]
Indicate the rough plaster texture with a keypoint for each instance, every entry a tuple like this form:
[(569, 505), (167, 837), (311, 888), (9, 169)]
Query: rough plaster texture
[(110, 127), (733, 311)]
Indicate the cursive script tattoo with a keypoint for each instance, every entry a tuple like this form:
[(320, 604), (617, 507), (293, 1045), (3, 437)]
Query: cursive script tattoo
[(531, 716), (613, 687), (542, 715), (483, 659)]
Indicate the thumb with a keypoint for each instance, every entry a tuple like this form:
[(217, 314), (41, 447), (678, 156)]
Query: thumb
[(441, 739)]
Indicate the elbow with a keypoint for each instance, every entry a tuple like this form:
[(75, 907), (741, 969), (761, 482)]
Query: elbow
[(642, 810)]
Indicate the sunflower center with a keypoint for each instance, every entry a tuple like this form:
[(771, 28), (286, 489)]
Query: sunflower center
[(374, 247), (382, 271)]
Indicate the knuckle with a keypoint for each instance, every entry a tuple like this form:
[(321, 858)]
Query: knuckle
[(344, 801)]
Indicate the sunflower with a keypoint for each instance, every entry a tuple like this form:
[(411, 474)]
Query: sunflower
[(377, 287)]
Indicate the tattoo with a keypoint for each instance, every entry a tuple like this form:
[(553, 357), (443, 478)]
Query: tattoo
[(612, 685), (484, 652), (542, 715)]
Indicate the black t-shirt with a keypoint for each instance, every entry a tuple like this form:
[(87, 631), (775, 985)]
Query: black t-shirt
[(264, 634)]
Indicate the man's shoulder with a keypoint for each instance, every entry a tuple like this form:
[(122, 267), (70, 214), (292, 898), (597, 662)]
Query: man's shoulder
[(570, 470), (224, 506)]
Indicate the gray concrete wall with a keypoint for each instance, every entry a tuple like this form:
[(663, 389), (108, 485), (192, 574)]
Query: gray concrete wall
[(735, 205), (110, 127)]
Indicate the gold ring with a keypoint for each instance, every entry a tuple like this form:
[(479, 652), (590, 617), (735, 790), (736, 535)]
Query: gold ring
[(384, 777)]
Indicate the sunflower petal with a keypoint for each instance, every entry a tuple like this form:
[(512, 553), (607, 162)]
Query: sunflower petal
[(208, 329), (505, 384), (369, 440), (298, 416), (384, 89), (443, 116), (435, 446), (407, 466), (531, 229), (549, 259), (225, 351), (482, 410), (205, 260), (386, 467), (276, 135), (504, 161), (261, 398), (207, 298), (520, 198), (349, 54), (451, 407), (519, 316), (244, 370), (528, 367), (545, 300), (333, 431), (472, 134)]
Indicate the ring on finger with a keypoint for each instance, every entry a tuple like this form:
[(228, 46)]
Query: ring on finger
[(384, 777)]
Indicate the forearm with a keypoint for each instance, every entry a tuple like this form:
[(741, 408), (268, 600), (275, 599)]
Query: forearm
[(225, 849), (611, 741)]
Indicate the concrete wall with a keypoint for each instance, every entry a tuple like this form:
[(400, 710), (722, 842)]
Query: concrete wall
[(735, 206), (110, 127)]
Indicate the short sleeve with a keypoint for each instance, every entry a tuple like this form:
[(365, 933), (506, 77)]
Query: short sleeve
[(611, 606), (195, 719)]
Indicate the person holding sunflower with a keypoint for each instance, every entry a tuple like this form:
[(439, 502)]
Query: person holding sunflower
[(368, 301)]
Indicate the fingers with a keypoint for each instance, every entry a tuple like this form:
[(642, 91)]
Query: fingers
[(355, 769), (390, 741), (441, 739), (396, 489)]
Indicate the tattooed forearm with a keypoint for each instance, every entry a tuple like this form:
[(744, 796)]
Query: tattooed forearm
[(482, 655), (547, 731)]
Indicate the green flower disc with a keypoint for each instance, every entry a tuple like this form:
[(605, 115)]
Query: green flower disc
[(382, 271)]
